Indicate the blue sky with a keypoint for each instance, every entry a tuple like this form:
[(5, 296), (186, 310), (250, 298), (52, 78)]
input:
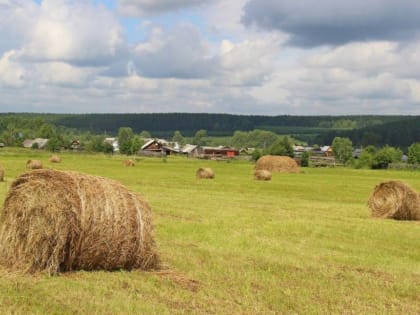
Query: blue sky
[(272, 57)]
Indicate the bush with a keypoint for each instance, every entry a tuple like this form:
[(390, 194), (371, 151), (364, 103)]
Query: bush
[(414, 153), (365, 160), (256, 155), (385, 156), (304, 160), (282, 146)]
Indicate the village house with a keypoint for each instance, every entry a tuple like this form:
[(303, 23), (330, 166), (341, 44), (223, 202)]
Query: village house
[(191, 150), (157, 147), (217, 152), (75, 145), (38, 143)]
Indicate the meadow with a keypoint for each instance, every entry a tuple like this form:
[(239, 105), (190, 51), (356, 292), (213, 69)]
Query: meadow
[(298, 244)]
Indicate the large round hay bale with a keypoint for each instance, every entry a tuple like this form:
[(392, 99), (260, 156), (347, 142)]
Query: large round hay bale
[(205, 172), (262, 175), (129, 163), (57, 221), (34, 164), (55, 159), (395, 200), (1, 174), (274, 163)]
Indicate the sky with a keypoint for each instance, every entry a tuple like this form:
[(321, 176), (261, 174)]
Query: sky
[(260, 57)]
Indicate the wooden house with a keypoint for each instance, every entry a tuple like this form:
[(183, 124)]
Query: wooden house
[(157, 147), (217, 152)]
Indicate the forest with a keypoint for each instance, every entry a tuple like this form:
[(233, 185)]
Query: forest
[(399, 131)]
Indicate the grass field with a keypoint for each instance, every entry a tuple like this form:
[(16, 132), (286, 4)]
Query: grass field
[(299, 244)]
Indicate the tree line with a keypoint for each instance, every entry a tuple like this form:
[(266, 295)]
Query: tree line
[(239, 130)]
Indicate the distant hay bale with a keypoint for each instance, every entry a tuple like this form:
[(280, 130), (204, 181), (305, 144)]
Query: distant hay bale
[(55, 159), (262, 175), (129, 163), (1, 174), (205, 172), (395, 200), (34, 164), (57, 221), (273, 163)]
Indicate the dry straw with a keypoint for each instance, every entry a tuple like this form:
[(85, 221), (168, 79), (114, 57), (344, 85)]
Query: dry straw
[(395, 200), (205, 172), (262, 175), (55, 159), (273, 163), (58, 221), (34, 164), (129, 163)]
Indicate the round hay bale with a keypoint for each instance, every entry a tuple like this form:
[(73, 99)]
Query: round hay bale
[(274, 163), (129, 163), (395, 200), (34, 164), (262, 175), (1, 174), (55, 159), (57, 221), (205, 172)]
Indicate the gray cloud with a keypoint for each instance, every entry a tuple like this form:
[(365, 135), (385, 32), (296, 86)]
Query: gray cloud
[(330, 22), (178, 53), (151, 7)]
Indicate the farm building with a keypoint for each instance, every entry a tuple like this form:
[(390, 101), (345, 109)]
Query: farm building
[(75, 145), (191, 150), (327, 150), (217, 152), (157, 147), (39, 143)]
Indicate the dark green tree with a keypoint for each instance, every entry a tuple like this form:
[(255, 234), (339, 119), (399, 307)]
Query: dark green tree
[(125, 135), (240, 139), (282, 146), (47, 131), (145, 134), (304, 159), (370, 149), (200, 137), (178, 137), (365, 159), (97, 144), (54, 144), (106, 147), (385, 156), (136, 144), (343, 149), (256, 154), (414, 153)]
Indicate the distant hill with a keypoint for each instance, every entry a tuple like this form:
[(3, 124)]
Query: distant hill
[(223, 124), (363, 130), (400, 133)]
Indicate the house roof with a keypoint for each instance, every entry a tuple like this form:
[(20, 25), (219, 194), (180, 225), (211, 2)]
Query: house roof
[(162, 142), (221, 148), (28, 143), (148, 143), (188, 148)]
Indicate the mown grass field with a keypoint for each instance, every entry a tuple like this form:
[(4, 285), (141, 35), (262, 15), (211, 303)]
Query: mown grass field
[(299, 244)]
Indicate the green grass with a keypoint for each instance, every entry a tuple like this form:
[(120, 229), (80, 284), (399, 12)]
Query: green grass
[(299, 244)]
